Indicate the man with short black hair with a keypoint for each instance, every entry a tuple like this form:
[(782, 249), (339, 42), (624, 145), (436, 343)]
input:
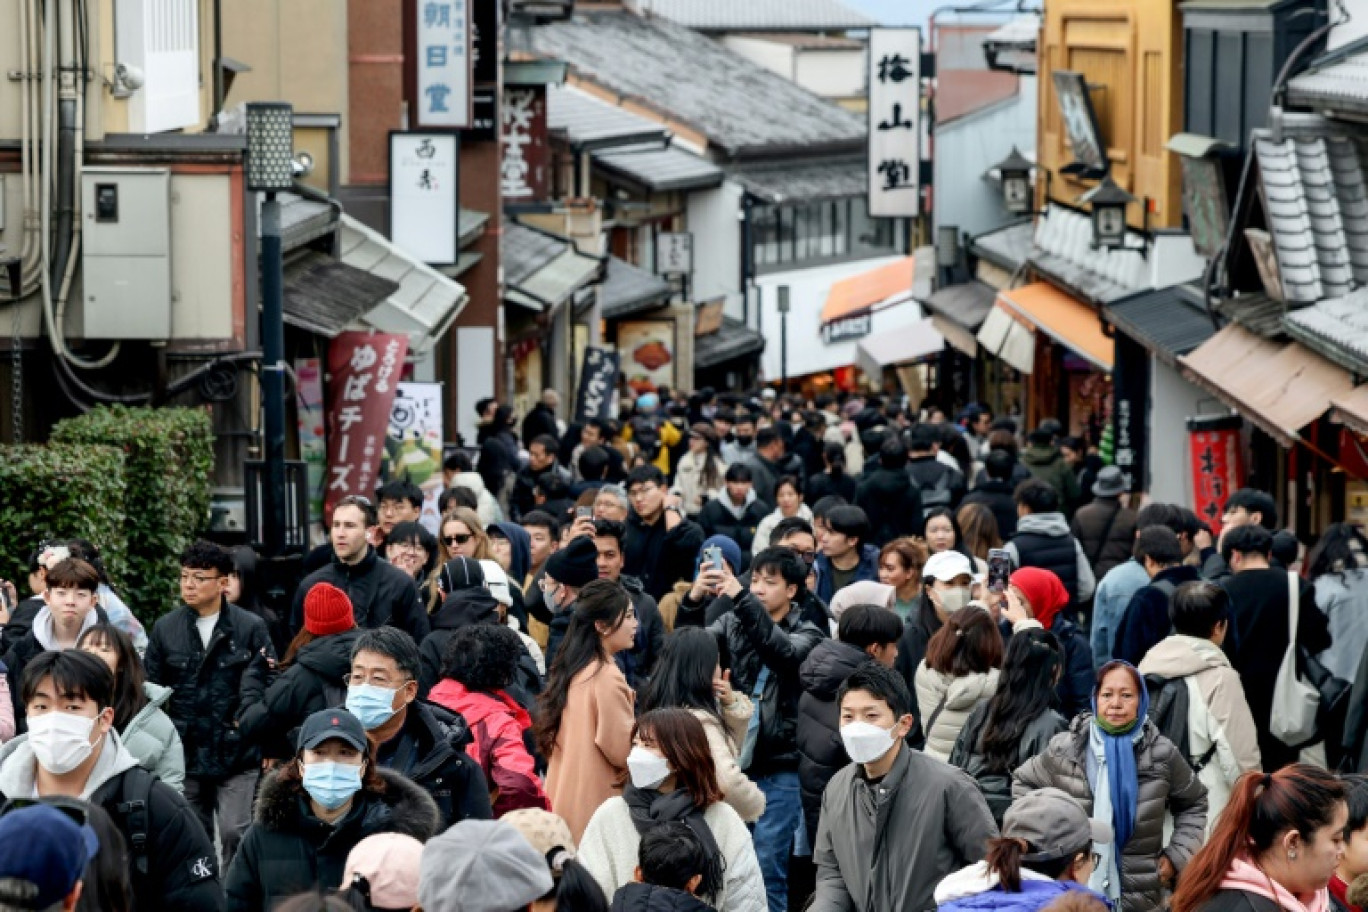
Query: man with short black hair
[(1146, 621), (661, 543), (738, 511), (419, 740), (170, 858), (380, 593), (592, 468), (1043, 540), (889, 497), (217, 659), (637, 662), (995, 490), (742, 443), (846, 554), (1113, 593), (940, 485), (1046, 463), (398, 501), (541, 461), (1246, 506), (769, 463)]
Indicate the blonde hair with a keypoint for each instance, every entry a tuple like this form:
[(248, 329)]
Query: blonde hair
[(482, 549)]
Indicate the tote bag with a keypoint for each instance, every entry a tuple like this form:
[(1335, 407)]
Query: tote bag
[(1295, 701)]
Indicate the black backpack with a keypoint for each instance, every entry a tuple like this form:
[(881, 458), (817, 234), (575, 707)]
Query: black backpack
[(1168, 710)]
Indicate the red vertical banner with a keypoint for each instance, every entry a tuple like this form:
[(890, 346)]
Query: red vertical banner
[(1217, 468), (363, 372)]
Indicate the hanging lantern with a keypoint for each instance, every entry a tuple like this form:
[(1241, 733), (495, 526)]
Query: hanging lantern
[(1108, 202), (1015, 171)]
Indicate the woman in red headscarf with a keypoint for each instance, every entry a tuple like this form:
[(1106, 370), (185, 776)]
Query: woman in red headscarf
[(1036, 596)]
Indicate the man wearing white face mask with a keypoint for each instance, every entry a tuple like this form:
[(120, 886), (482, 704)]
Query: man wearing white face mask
[(420, 740), (73, 750), (946, 581), (894, 822)]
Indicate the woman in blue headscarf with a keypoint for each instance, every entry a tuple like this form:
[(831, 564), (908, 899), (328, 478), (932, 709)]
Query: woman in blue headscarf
[(1126, 774)]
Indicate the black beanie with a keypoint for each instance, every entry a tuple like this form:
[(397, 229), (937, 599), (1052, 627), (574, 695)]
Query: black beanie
[(575, 565)]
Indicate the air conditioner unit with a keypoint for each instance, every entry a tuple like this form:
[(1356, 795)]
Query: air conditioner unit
[(157, 60)]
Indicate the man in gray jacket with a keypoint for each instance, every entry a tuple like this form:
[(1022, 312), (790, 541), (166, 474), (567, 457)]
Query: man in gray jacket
[(894, 822)]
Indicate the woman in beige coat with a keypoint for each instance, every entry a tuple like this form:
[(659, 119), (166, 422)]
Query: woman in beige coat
[(687, 675), (585, 711), (699, 475), (959, 671)]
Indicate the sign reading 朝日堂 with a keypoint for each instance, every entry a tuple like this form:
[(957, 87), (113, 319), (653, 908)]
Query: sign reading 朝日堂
[(894, 122), (443, 60)]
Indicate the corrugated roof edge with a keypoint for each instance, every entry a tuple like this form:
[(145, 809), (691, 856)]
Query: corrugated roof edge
[(1325, 347)]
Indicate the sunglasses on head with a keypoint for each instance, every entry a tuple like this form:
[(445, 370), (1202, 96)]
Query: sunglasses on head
[(458, 539)]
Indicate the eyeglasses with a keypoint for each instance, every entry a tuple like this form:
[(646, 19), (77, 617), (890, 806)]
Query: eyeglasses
[(452, 540), (198, 579), (375, 680), (808, 557)]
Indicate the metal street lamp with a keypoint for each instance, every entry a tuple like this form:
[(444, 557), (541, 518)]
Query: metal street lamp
[(1109, 204), (783, 336), (270, 169), (1015, 171)]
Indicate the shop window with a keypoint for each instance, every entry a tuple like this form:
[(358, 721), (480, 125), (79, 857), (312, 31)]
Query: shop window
[(830, 231)]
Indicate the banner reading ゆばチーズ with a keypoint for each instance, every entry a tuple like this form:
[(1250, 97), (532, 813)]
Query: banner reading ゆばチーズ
[(363, 374)]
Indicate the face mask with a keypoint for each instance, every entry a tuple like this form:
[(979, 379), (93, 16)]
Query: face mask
[(953, 600), (549, 597), (60, 741), (648, 770), (374, 706), (865, 743), (331, 784), (743, 440)]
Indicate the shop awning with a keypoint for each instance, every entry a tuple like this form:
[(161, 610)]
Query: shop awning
[(542, 271), (1006, 337), (957, 312), (864, 291), (1351, 409), (1067, 320), (898, 346), (1168, 321), (733, 340), (1279, 387), (324, 295), (629, 289)]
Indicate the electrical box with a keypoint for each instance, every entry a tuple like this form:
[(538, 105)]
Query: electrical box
[(126, 253)]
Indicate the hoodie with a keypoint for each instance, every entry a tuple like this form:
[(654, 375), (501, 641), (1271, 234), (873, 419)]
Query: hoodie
[(461, 608), (486, 505), (641, 897), (521, 543), (955, 698), (975, 887), (1218, 713), (1248, 878), (18, 764), (1040, 541)]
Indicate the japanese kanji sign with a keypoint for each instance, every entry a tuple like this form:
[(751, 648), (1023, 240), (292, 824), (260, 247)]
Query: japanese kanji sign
[(894, 122), (526, 151), (443, 58), (425, 195), (674, 253), (1130, 411), (1217, 466), (598, 379), (363, 375)]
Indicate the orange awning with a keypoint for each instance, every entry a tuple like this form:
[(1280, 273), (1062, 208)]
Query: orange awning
[(863, 291), (1068, 321)]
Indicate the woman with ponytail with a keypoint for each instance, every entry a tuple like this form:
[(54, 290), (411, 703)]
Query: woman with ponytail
[(1126, 774), (836, 480), (1046, 851), (1275, 847)]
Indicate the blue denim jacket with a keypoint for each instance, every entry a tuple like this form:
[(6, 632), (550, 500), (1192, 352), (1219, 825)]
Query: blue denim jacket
[(1109, 606)]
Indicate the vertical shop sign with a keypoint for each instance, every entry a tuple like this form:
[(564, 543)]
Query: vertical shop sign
[(1130, 421), (443, 58), (363, 376), (1217, 465), (413, 448), (598, 380), (894, 122), (313, 446), (525, 167), (425, 195)]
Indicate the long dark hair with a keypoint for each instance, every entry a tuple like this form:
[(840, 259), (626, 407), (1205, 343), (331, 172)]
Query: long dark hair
[(1262, 807), (680, 737), (106, 886), (969, 642), (129, 696), (834, 456), (683, 675), (1024, 691), (949, 514), (1333, 554), (245, 568), (601, 600)]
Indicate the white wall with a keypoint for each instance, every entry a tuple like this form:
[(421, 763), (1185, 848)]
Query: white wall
[(772, 55), (714, 222), (831, 73), (1355, 28), (1172, 401), (965, 151)]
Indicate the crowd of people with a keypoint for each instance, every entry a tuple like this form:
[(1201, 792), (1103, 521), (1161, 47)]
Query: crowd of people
[(742, 653)]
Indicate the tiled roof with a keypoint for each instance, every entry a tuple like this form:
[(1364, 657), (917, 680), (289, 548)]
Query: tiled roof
[(1006, 247), (805, 41), (1340, 84), (734, 340), (522, 251), (1168, 321), (962, 92), (543, 271), (1064, 252), (1256, 312), (591, 122), (324, 295), (1317, 202), (813, 180), (658, 169), (967, 304), (1337, 328), (629, 289), (758, 15), (739, 106)]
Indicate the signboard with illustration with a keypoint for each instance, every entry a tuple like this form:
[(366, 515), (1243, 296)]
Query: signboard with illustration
[(647, 351), (413, 447)]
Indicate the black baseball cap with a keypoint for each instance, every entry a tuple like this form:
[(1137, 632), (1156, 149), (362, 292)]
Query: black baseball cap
[(332, 723)]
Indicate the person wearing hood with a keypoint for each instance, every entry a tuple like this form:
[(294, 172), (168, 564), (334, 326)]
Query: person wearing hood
[(73, 751), (638, 662), (146, 730), (311, 675), (894, 822), (1036, 598), (890, 497), (959, 672), (496, 581), (1146, 620), (1044, 852), (1126, 774), (459, 472), (846, 554), (465, 601), (1275, 849), (1043, 539), (689, 603), (789, 495), (866, 633), (511, 545), (738, 511), (480, 664), (418, 740), (1223, 742), (672, 865), (315, 809), (567, 572)]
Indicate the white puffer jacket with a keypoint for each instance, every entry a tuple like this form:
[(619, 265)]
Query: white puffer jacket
[(960, 696)]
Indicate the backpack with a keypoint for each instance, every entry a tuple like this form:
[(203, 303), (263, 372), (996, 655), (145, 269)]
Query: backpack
[(131, 811), (939, 494), (1168, 710)]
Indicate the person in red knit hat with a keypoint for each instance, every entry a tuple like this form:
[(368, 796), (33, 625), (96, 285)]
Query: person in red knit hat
[(312, 674), (1037, 597)]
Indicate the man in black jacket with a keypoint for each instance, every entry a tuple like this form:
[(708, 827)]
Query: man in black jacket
[(769, 463), (170, 857), (661, 544), (541, 462), (940, 485), (889, 497), (217, 659), (421, 741), (738, 511), (380, 593), (1146, 621), (995, 491)]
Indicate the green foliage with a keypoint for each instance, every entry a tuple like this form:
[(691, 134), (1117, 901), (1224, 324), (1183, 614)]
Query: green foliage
[(169, 466), (61, 492)]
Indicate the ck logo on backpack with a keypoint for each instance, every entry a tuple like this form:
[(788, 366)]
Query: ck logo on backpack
[(202, 868)]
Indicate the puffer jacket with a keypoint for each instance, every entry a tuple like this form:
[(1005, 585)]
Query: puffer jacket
[(956, 698), (497, 724), (1218, 714), (997, 785), (755, 642), (315, 680), (287, 850), (1166, 785), (821, 753), (1044, 540), (151, 736), (724, 744), (430, 750), (640, 897), (975, 888)]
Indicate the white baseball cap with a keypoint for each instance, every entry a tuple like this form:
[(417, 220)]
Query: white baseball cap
[(496, 581), (947, 565)]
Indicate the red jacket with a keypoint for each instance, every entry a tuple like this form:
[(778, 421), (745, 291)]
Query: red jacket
[(497, 724)]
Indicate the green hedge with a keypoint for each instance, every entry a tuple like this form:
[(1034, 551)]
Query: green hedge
[(169, 455), (49, 492)]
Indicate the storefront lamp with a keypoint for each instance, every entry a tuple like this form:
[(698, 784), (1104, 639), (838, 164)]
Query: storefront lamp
[(1108, 202), (270, 147), (1015, 172)]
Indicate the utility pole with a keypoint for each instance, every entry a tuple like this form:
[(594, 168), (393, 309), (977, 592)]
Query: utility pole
[(783, 336)]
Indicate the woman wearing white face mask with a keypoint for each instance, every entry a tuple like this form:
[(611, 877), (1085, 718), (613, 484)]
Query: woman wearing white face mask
[(673, 779), (313, 811), (946, 581)]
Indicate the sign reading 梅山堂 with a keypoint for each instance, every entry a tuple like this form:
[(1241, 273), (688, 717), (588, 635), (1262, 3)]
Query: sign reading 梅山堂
[(894, 122)]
